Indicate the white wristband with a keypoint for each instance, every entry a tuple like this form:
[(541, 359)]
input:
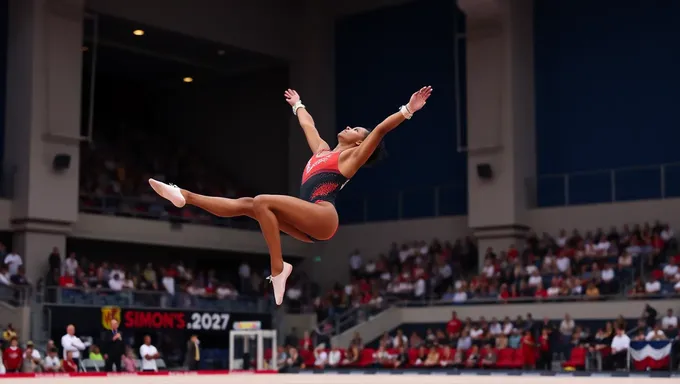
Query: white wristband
[(298, 104), (404, 111)]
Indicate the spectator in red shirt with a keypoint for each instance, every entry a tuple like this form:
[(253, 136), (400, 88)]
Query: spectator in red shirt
[(68, 365), (454, 325), (13, 357), (306, 344), (66, 281), (545, 356)]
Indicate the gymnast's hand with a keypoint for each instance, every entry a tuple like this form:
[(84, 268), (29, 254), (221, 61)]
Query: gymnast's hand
[(418, 99), (292, 97)]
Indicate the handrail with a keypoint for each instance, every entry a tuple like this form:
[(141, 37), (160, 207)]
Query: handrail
[(523, 300), (151, 299), (15, 295), (451, 199)]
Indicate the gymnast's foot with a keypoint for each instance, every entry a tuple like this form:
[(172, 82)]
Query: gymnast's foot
[(168, 191), (279, 282)]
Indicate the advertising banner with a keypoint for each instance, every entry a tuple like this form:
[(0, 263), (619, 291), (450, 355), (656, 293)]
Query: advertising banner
[(168, 326)]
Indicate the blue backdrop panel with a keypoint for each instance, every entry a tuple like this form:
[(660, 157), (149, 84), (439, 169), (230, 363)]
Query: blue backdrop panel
[(381, 58), (607, 86)]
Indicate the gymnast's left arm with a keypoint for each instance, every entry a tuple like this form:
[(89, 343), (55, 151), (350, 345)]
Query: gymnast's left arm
[(369, 145)]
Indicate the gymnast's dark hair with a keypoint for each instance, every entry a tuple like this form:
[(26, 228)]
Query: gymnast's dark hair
[(378, 155)]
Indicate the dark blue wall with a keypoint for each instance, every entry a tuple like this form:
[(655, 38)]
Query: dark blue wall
[(4, 10), (381, 58), (607, 88)]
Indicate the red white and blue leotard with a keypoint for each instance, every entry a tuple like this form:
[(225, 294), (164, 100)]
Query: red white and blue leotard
[(321, 179)]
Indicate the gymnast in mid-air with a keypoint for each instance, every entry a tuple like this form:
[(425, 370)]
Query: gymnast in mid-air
[(311, 217)]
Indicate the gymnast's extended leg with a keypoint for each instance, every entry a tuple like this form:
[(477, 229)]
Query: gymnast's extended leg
[(219, 206)]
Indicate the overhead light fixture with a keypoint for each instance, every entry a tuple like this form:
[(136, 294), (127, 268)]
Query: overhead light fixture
[(138, 32), (221, 52), (188, 80), (85, 48)]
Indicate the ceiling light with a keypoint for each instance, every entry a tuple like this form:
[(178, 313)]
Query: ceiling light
[(85, 48), (138, 32), (188, 79), (221, 52)]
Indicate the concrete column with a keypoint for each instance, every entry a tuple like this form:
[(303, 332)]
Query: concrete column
[(500, 106), (312, 74), (44, 61)]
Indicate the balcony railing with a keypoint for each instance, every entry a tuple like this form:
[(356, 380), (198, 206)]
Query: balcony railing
[(606, 186), (579, 188), (153, 299)]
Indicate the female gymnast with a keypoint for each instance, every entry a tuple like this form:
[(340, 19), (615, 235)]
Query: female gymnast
[(312, 216)]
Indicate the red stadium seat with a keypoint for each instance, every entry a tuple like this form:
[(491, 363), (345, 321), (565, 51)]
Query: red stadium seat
[(577, 360), (505, 357), (366, 357)]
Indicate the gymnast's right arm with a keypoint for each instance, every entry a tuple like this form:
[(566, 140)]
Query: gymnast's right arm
[(316, 143)]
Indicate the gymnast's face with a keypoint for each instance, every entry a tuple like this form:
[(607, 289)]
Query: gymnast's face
[(351, 135)]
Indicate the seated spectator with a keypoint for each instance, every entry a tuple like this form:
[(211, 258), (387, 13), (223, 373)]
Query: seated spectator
[(95, 353), (294, 360), (653, 286), (68, 364), (52, 362), (465, 341), (432, 357), (501, 342), (128, 360), (490, 356), (472, 357), (422, 356), (514, 339), (670, 321), (32, 361), (592, 292), (382, 357), (320, 356), (334, 357), (447, 357), (656, 334), (401, 360), (351, 355)]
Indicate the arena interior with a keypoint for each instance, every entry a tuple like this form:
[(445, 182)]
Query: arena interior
[(522, 225)]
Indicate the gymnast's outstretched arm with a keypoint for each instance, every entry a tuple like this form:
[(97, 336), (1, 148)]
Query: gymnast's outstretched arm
[(316, 143), (368, 146)]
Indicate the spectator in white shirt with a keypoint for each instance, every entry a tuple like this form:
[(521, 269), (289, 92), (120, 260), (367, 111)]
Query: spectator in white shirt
[(495, 327), (355, 263), (334, 357), (667, 234), (320, 356), (669, 321), (670, 270), (71, 343), (476, 332), (169, 284), (148, 354), (244, 275), (116, 283), (653, 286), (567, 328), (460, 296), (4, 276), (13, 261), (562, 239), (52, 362), (489, 270), (620, 345), (535, 279), (71, 265), (656, 334), (563, 263)]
